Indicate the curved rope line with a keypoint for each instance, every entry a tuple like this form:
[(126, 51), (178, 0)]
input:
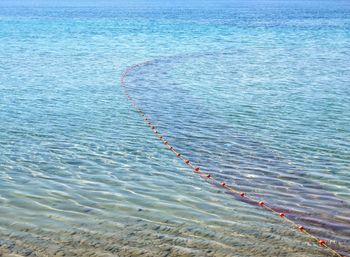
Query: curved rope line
[(206, 175)]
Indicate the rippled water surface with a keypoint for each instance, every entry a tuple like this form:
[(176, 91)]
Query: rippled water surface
[(256, 92)]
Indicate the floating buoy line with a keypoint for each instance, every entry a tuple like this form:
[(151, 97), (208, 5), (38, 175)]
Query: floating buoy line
[(207, 176)]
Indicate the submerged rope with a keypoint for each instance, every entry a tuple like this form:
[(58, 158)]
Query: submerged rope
[(209, 177)]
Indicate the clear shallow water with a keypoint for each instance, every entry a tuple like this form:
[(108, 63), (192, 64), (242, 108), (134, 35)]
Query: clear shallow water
[(258, 93)]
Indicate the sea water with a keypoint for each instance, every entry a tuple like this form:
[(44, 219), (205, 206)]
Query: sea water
[(255, 92)]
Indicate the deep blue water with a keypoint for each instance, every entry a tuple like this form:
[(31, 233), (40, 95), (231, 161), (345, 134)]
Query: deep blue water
[(256, 92)]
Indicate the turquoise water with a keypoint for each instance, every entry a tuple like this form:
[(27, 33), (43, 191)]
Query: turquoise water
[(256, 92)]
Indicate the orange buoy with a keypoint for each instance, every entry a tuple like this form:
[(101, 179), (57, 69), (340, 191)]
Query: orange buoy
[(321, 242)]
